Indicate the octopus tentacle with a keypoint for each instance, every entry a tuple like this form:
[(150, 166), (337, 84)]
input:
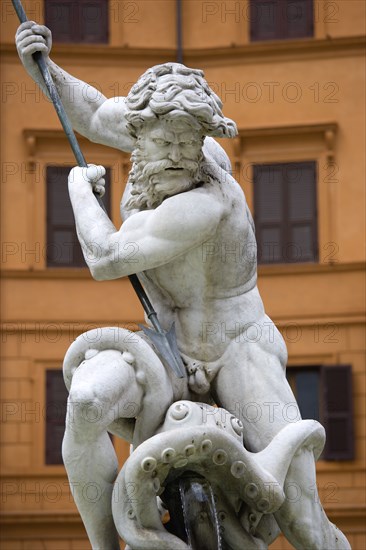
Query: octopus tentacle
[(214, 453)]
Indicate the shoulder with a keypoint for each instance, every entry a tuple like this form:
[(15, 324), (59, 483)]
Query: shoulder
[(217, 166), (112, 107), (213, 151), (109, 125)]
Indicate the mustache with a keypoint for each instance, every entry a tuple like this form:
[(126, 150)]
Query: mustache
[(154, 167)]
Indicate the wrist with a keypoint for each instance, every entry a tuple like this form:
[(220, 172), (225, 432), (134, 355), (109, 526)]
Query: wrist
[(54, 70), (78, 184)]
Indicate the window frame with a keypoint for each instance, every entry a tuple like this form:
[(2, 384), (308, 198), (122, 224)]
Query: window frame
[(294, 143), (286, 222), (51, 147), (326, 415)]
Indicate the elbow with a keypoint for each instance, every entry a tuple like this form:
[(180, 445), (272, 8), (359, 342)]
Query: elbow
[(100, 271), (99, 260), (92, 136), (97, 275), (105, 269)]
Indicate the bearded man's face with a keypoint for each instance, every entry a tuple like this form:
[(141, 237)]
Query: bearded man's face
[(167, 159)]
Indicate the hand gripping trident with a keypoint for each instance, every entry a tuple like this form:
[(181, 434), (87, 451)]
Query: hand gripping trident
[(164, 342)]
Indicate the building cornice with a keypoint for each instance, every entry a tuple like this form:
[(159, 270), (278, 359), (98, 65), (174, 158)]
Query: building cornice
[(309, 268), (326, 130), (286, 50), (288, 130), (263, 271), (281, 50)]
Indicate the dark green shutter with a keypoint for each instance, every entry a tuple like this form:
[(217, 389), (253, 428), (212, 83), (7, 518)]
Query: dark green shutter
[(269, 212), (338, 412), (56, 401), (301, 230), (281, 19), (77, 21)]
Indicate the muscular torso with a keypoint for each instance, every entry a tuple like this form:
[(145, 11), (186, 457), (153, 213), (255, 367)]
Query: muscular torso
[(210, 291)]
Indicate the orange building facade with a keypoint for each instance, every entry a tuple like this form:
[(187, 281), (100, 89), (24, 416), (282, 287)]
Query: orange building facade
[(295, 100)]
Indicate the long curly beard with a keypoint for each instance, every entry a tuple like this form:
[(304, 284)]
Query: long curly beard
[(146, 176)]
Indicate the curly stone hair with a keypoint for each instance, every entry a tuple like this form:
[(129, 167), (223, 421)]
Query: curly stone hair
[(174, 90)]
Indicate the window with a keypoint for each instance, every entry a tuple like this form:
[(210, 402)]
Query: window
[(77, 20), (63, 248), (285, 212), (56, 400), (324, 393), (281, 19)]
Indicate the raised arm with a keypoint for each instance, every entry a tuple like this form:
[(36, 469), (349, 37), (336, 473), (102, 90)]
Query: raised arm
[(146, 240), (94, 116)]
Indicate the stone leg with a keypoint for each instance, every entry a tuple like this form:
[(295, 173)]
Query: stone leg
[(252, 385), (92, 468), (301, 518), (103, 389)]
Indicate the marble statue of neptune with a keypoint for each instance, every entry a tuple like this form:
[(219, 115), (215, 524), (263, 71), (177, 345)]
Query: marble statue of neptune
[(184, 215)]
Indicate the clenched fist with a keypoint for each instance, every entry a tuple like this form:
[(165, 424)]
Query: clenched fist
[(94, 175), (31, 38)]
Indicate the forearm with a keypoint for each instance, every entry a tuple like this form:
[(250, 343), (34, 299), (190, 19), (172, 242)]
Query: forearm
[(79, 99), (108, 253), (90, 113), (84, 103), (93, 226)]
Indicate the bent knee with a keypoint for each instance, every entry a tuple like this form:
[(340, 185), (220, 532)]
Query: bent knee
[(308, 537), (302, 526), (86, 408)]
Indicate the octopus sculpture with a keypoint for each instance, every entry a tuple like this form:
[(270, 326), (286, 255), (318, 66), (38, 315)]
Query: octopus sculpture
[(192, 441)]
